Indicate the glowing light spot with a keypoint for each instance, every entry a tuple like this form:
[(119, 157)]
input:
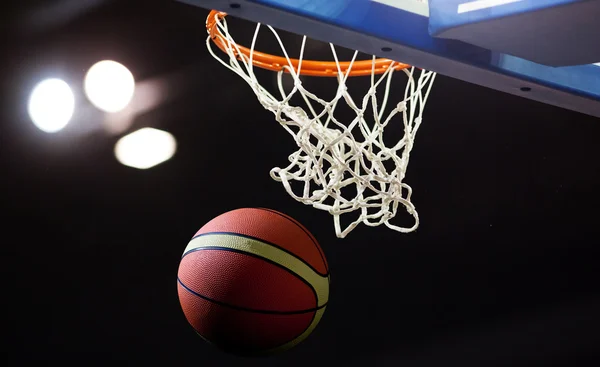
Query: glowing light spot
[(145, 148), (51, 105), (109, 86)]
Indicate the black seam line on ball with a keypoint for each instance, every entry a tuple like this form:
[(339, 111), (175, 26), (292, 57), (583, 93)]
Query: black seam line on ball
[(263, 241), (250, 309), (310, 286), (310, 235)]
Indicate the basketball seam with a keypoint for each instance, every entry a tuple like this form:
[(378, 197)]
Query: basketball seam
[(296, 275), (312, 238), (263, 241), (312, 319), (255, 352), (247, 309)]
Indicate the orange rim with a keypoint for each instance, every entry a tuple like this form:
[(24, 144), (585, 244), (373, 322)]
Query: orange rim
[(309, 67)]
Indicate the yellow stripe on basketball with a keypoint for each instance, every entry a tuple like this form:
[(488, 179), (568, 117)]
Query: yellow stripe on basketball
[(264, 250)]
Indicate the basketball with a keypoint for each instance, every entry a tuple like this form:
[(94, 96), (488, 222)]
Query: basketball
[(253, 281)]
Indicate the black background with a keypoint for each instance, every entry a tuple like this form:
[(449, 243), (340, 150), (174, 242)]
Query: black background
[(503, 270)]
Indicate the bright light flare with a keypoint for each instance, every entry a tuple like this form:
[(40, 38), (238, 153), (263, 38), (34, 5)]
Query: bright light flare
[(51, 105), (109, 86), (145, 148)]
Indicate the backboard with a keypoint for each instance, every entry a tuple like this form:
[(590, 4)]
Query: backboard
[(434, 38)]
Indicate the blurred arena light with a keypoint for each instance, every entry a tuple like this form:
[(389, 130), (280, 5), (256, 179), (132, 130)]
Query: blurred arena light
[(51, 105), (145, 148), (109, 86), (154, 93)]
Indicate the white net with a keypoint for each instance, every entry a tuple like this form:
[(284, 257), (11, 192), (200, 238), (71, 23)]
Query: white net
[(342, 167)]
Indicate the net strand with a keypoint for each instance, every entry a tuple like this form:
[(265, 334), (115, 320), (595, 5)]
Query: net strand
[(334, 156)]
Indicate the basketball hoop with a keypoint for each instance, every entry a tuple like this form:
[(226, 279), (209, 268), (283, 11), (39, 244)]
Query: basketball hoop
[(334, 156)]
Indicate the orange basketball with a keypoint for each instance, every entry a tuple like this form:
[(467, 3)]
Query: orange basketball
[(253, 281)]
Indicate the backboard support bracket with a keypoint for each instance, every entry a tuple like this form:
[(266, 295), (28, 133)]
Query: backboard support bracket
[(398, 29)]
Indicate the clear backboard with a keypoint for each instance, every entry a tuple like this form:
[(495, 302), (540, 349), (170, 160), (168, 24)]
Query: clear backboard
[(484, 42)]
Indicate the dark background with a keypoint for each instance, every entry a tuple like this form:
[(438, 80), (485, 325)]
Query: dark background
[(503, 270)]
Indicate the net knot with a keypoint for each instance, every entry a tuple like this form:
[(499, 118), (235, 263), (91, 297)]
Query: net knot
[(343, 164)]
